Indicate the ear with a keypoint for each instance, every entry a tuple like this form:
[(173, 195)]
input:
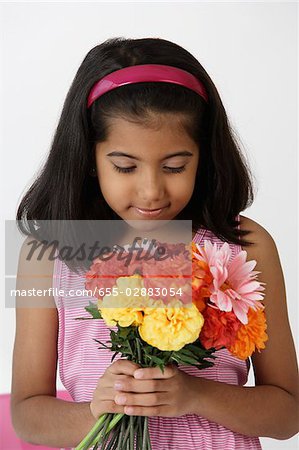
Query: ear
[(93, 172)]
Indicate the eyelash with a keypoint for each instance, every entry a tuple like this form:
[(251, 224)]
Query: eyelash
[(130, 169)]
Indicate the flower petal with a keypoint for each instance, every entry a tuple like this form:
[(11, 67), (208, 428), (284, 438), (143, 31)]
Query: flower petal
[(240, 312)]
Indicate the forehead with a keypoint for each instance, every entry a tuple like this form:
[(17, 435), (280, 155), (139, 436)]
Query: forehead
[(159, 133)]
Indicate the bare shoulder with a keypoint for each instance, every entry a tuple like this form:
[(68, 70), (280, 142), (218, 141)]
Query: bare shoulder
[(268, 367), (34, 353), (258, 234), (34, 250)]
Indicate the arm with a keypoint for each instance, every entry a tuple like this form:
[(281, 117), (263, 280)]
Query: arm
[(38, 416), (266, 410), (271, 407), (46, 420)]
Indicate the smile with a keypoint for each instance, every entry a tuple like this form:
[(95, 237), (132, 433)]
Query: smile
[(148, 212)]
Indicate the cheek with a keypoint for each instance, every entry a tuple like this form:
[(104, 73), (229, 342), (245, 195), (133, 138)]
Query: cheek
[(114, 186), (110, 187), (182, 186)]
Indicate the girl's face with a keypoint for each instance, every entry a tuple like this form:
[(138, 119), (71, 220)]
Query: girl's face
[(141, 167)]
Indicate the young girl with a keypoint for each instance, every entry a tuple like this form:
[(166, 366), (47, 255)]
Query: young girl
[(144, 135)]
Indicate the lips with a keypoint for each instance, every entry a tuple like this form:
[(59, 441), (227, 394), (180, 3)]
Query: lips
[(149, 212)]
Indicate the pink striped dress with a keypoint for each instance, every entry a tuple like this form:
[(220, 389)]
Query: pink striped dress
[(81, 364)]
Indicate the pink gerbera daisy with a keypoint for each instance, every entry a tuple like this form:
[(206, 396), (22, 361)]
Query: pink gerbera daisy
[(234, 286)]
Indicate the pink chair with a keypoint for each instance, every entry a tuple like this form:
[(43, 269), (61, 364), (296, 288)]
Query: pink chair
[(8, 438)]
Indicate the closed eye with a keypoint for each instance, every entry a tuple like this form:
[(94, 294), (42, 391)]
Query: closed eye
[(131, 169)]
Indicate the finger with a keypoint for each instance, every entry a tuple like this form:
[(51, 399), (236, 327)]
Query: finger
[(107, 380), (155, 372), (123, 366), (151, 399), (105, 406), (129, 384), (162, 410), (105, 394)]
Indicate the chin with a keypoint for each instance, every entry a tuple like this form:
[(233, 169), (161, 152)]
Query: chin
[(144, 224)]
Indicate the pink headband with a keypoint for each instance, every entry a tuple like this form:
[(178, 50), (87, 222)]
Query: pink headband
[(146, 72)]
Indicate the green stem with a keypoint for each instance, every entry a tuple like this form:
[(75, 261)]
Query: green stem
[(114, 439), (139, 351), (93, 433), (131, 433), (96, 432), (111, 443), (98, 436), (84, 318), (120, 439), (169, 358), (116, 418), (139, 432), (126, 435), (104, 432), (144, 437)]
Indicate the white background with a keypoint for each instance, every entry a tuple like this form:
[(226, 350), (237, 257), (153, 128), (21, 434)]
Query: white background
[(250, 51)]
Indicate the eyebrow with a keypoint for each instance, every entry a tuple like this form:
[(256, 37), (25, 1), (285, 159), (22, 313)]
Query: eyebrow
[(172, 155)]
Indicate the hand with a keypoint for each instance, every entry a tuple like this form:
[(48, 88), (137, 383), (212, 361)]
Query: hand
[(153, 393), (102, 402)]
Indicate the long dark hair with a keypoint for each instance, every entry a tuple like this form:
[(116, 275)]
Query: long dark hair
[(65, 190)]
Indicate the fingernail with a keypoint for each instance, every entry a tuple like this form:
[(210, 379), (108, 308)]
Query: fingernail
[(120, 399), (118, 385), (138, 374)]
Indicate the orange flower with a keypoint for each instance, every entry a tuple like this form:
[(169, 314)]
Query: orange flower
[(219, 329), (250, 336), (199, 303), (201, 278)]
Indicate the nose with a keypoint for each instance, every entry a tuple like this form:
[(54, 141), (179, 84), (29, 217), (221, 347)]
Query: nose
[(151, 189)]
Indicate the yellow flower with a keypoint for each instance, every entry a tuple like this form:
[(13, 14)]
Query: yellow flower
[(124, 309), (172, 327)]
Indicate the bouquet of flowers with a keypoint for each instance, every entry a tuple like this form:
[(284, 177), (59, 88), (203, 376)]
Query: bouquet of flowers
[(225, 311)]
